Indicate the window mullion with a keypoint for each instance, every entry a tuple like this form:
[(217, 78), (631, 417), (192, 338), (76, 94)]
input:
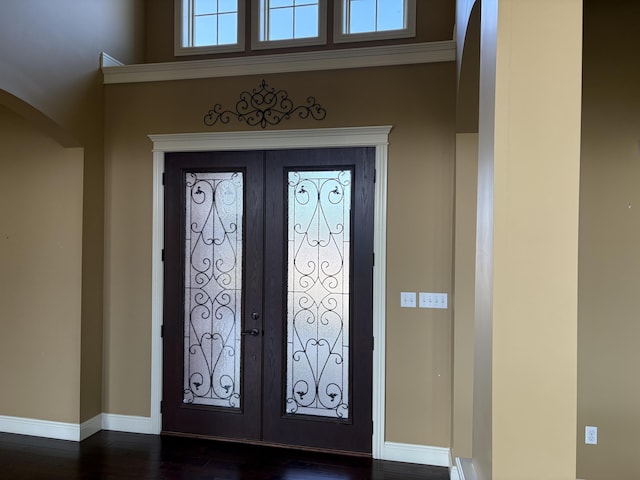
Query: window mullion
[(377, 12), (192, 29), (347, 13), (267, 20), (293, 20)]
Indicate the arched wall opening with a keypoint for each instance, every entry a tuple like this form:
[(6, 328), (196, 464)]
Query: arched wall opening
[(466, 180)]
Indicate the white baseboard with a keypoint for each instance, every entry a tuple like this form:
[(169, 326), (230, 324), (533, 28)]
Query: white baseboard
[(465, 469), (399, 452), (73, 431), (127, 423), (91, 426), (453, 473), (40, 428), (422, 454)]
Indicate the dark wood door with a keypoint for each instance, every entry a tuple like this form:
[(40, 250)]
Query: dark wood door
[(212, 372), (272, 342)]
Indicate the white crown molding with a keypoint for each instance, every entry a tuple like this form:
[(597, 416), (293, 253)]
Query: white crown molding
[(107, 60), (325, 137), (406, 54)]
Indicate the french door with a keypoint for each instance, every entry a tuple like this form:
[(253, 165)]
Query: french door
[(268, 276)]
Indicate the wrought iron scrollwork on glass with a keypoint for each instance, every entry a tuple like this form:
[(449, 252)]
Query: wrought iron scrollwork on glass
[(213, 288), (318, 302), (265, 106)]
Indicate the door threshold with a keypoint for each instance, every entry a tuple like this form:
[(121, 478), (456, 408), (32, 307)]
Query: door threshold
[(262, 443)]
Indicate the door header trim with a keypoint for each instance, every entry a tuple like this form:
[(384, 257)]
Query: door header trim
[(275, 139)]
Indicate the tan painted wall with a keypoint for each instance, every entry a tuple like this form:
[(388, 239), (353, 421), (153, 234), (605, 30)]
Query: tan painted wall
[(464, 273), (483, 333), (419, 101), (435, 21), (40, 273), (608, 329), (526, 368), (49, 73)]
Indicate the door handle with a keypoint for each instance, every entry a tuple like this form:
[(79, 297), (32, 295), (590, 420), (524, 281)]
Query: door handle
[(254, 332)]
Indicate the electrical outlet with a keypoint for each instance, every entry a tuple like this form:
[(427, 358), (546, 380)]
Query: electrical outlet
[(591, 435)]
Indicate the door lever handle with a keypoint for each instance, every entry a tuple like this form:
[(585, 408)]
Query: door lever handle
[(254, 332)]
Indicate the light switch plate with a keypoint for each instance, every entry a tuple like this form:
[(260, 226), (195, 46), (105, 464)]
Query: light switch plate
[(433, 300), (408, 299)]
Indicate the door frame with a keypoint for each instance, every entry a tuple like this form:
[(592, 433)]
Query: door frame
[(374, 136)]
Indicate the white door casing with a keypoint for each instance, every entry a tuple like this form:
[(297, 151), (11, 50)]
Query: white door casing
[(374, 136)]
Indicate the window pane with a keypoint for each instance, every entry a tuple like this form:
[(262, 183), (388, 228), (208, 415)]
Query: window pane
[(202, 7), (205, 31), (390, 15), (362, 17), (281, 24), (288, 19), (213, 288), (306, 19), (228, 29), (318, 297), (280, 3), (227, 6)]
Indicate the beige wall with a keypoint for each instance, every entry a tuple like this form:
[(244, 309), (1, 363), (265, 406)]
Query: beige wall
[(483, 330), (526, 294), (464, 273), (40, 273), (419, 101), (49, 73), (608, 329)]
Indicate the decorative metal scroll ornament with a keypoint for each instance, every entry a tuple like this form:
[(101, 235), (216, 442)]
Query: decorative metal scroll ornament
[(265, 106)]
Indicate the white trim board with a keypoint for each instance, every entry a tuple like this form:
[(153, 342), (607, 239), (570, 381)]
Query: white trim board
[(399, 452), (50, 429), (375, 136), (91, 426), (453, 473), (422, 454), (127, 423), (465, 470), (387, 55)]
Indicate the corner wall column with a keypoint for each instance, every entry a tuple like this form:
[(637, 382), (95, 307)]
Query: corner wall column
[(527, 242)]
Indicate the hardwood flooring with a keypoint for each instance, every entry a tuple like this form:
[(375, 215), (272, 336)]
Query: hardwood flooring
[(116, 455)]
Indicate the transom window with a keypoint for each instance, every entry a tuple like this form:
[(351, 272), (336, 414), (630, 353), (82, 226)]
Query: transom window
[(288, 19), (359, 20), (210, 26), (289, 23)]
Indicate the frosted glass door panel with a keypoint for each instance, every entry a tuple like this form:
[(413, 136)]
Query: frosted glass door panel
[(213, 288), (318, 250)]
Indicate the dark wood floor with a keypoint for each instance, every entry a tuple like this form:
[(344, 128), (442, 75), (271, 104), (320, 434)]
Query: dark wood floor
[(115, 455)]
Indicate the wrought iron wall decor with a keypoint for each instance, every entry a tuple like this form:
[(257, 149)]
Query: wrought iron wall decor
[(265, 106)]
